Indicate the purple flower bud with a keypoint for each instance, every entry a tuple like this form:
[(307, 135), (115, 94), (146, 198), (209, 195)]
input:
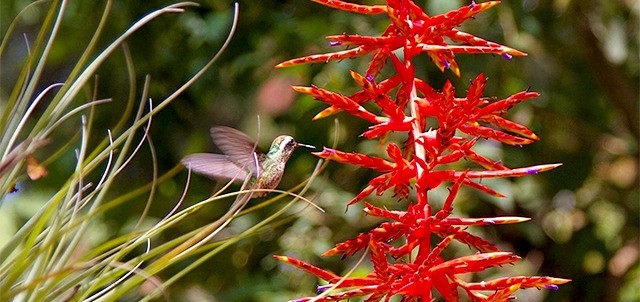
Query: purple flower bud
[(446, 64), (506, 56), (473, 4), (369, 77), (322, 288), (532, 171), (551, 287), (334, 43)]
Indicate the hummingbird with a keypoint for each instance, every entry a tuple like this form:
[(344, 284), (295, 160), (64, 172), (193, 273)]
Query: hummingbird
[(241, 158)]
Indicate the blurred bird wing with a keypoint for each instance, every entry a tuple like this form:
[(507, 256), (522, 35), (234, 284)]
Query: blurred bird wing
[(215, 166), (239, 148)]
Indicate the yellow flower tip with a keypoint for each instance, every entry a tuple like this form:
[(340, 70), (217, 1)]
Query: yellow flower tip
[(549, 167), (514, 288), (329, 253), (515, 52), (318, 116), (324, 113), (284, 64), (490, 4), (301, 89), (455, 70), (520, 219), (281, 258)]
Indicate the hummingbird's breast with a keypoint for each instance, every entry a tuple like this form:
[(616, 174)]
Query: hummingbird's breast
[(271, 175)]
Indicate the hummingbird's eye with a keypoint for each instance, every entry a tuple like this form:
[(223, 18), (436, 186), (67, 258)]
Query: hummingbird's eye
[(288, 143)]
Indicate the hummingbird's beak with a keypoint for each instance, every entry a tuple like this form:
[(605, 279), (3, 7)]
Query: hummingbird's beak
[(305, 145)]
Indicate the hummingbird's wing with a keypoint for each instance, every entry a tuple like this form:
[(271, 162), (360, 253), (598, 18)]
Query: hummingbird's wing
[(239, 148), (214, 165)]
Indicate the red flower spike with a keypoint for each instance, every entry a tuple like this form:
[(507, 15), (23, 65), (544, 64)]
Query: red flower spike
[(382, 129), (511, 172), (474, 95), (493, 134), (475, 41), (323, 58), (467, 238), (362, 195), (349, 247), (409, 105), (435, 253), (320, 273), (451, 49), (379, 260), (483, 221), (448, 92), (341, 101), (447, 207), (456, 17), (483, 188), (384, 232), (525, 282), (347, 40), (500, 107), (475, 263), (446, 288), (510, 126), (357, 159), (483, 161), (396, 155), (398, 14), (432, 180), (378, 96), (359, 97), (383, 213), (451, 157), (326, 112), (378, 61)]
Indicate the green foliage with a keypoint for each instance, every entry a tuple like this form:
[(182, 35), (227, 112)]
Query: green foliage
[(65, 249)]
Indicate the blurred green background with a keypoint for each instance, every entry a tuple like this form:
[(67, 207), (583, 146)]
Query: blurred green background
[(583, 59)]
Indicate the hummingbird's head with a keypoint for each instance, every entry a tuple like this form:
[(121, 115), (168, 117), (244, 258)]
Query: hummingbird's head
[(284, 145)]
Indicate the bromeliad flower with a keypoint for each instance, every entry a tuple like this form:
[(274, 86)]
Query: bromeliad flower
[(406, 248)]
